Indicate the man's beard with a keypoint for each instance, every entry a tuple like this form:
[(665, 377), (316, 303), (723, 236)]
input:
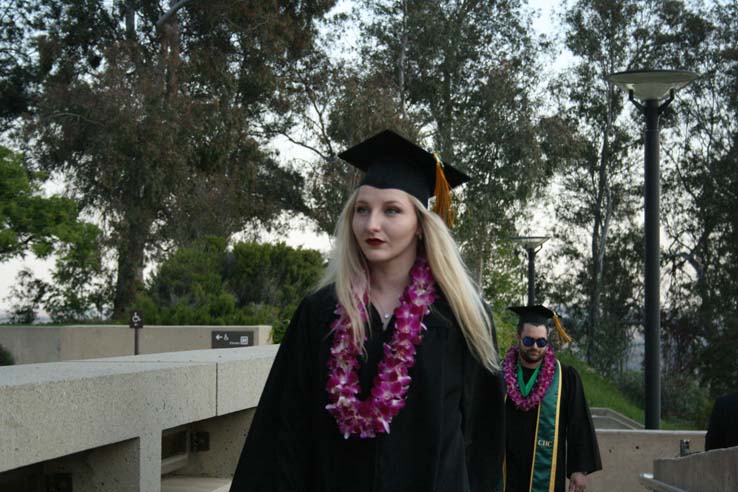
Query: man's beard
[(531, 356)]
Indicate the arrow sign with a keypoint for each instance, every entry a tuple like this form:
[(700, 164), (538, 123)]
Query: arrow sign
[(231, 339)]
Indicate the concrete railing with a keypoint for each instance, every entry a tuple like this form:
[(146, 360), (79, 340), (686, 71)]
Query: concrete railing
[(604, 418), (104, 424), (713, 471), (99, 423), (626, 454), (57, 343)]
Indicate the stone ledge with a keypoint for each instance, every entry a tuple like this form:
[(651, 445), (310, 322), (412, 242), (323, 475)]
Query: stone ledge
[(647, 480), (56, 409), (605, 418), (713, 471), (195, 484), (58, 343)]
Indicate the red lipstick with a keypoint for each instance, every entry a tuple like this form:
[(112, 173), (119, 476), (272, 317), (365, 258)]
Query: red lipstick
[(374, 242)]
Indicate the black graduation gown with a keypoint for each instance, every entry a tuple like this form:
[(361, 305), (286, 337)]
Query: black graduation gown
[(722, 431), (448, 438), (578, 450)]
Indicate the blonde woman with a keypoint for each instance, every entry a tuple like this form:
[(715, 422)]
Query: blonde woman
[(388, 376)]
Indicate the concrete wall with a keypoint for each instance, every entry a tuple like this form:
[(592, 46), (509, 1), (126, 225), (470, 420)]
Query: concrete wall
[(628, 453), (713, 471), (35, 344), (101, 421)]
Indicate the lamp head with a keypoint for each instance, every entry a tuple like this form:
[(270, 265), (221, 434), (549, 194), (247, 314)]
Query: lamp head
[(652, 84)]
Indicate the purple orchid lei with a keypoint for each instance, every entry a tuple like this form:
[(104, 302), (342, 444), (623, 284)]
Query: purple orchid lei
[(545, 376), (372, 416)]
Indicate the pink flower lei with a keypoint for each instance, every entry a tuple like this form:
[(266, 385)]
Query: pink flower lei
[(545, 377), (372, 416)]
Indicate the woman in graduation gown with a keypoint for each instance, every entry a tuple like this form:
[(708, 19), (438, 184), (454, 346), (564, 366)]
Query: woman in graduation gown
[(388, 377)]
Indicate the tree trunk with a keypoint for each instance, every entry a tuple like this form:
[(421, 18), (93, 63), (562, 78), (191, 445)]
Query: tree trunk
[(130, 15), (401, 61), (130, 268), (603, 214)]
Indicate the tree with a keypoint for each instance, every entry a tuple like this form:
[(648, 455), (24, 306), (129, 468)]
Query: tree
[(600, 193), (148, 106), (700, 217), (452, 76), (462, 71), (48, 226)]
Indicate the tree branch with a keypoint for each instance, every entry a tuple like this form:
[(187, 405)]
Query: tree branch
[(169, 13), (304, 145)]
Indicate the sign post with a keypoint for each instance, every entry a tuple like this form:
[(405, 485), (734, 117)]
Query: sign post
[(136, 322)]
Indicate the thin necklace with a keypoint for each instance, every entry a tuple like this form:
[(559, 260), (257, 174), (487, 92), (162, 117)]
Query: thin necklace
[(385, 315)]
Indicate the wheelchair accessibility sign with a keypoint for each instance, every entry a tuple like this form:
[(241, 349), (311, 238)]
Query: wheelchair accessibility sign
[(231, 339)]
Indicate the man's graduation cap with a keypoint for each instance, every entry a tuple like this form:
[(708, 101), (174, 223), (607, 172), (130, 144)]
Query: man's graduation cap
[(538, 315), (391, 161)]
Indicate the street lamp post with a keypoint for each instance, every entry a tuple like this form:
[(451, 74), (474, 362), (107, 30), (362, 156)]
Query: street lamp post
[(531, 245), (651, 86)]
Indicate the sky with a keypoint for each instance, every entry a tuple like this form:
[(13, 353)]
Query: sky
[(301, 234)]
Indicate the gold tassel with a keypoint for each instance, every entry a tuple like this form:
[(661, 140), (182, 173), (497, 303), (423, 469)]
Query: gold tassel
[(442, 192), (563, 336)]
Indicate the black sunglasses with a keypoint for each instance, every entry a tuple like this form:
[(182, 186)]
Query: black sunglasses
[(529, 341)]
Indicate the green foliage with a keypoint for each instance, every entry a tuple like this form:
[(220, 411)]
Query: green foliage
[(80, 286), (684, 402), (206, 284), (272, 273), (6, 358), (625, 395), (506, 323), (601, 391), (46, 227), (700, 183), (30, 221)]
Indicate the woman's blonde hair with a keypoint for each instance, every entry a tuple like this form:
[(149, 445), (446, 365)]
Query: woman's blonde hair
[(348, 270)]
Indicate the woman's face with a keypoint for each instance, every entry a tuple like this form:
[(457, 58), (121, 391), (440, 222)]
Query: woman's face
[(385, 225)]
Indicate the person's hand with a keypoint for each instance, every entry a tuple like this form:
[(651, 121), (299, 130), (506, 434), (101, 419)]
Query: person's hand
[(577, 482)]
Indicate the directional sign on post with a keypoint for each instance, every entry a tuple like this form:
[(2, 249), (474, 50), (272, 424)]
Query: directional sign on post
[(137, 320), (231, 339)]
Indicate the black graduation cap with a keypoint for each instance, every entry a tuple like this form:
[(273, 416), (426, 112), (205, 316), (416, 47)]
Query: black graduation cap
[(535, 315), (538, 315), (391, 161)]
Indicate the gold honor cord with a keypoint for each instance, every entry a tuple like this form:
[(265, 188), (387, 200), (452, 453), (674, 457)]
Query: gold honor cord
[(552, 484), (535, 446)]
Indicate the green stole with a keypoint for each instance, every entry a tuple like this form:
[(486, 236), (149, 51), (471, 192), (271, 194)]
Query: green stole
[(546, 441)]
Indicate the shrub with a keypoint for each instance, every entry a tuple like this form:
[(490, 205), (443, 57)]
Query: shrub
[(6, 358), (255, 284), (682, 397)]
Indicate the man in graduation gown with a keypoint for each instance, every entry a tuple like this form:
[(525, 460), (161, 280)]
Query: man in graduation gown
[(550, 435)]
